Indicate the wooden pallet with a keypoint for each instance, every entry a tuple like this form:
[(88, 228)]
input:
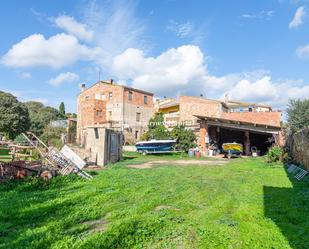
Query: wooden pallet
[(54, 158)]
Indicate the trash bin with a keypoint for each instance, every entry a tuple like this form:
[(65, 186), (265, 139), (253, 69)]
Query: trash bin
[(210, 152), (197, 153), (191, 153)]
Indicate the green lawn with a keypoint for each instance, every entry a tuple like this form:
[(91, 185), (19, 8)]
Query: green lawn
[(4, 154), (243, 204)]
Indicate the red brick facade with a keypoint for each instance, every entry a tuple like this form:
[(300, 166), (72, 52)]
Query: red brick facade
[(115, 106), (263, 118)]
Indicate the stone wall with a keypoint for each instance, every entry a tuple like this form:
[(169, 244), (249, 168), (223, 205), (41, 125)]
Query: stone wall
[(298, 146)]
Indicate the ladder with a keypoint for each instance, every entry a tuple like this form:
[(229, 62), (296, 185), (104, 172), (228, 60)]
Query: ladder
[(54, 158)]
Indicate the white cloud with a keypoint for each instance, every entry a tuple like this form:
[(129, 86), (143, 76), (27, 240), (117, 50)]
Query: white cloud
[(265, 90), (25, 75), (183, 70), (264, 14), (110, 33), (173, 69), (115, 26), (303, 52), (57, 51), (70, 25), (182, 30), (298, 17), (187, 30), (62, 78)]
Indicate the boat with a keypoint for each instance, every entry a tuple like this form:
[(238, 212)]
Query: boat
[(232, 149), (155, 146)]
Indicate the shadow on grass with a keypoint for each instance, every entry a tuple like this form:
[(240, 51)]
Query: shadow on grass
[(128, 157), (288, 208), (30, 205)]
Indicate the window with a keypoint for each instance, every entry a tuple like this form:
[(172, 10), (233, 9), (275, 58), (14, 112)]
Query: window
[(99, 112), (96, 133), (145, 100), (138, 116), (103, 97), (136, 134), (87, 97), (110, 95), (97, 96), (130, 95), (109, 115)]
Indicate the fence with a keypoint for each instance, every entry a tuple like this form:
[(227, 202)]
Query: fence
[(298, 146)]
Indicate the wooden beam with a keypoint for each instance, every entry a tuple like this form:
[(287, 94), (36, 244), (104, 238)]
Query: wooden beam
[(244, 127)]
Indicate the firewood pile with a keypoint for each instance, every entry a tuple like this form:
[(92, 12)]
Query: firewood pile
[(53, 162), (22, 169)]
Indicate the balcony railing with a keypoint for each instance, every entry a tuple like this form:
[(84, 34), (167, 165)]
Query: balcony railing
[(172, 115)]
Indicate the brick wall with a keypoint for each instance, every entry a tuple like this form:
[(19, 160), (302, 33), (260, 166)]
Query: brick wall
[(108, 104), (189, 106), (265, 118)]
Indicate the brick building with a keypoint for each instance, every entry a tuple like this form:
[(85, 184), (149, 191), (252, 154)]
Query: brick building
[(251, 129), (215, 121), (106, 104), (184, 109)]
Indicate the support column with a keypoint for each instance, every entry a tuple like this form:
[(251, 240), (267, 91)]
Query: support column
[(247, 142), (203, 135)]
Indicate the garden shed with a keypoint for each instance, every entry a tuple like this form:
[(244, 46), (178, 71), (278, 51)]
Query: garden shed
[(104, 145)]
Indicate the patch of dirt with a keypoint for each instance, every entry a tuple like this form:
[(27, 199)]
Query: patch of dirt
[(151, 164), (96, 225), (165, 207), (94, 167)]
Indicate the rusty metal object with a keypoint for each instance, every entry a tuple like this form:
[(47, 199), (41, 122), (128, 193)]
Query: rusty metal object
[(22, 169)]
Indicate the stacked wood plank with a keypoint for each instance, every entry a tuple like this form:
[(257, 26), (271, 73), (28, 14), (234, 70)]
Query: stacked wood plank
[(54, 159)]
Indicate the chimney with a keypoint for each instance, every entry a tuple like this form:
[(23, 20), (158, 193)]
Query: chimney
[(82, 87), (111, 81)]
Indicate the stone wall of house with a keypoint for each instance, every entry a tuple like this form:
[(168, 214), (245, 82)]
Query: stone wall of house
[(298, 146)]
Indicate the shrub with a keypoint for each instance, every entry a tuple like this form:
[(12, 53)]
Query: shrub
[(275, 154), (185, 138), (298, 114), (52, 136), (156, 129)]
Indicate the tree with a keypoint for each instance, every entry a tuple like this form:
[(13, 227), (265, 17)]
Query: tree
[(298, 114), (185, 138), (156, 128), (52, 136), (62, 109), (14, 116), (40, 116)]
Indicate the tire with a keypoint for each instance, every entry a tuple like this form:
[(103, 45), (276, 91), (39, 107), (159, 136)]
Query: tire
[(144, 153)]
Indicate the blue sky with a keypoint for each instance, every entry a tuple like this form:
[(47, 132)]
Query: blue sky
[(251, 50)]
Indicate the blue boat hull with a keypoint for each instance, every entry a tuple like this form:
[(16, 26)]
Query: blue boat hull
[(154, 147)]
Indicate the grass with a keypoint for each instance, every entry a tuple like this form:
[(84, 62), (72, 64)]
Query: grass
[(4, 154), (243, 204)]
